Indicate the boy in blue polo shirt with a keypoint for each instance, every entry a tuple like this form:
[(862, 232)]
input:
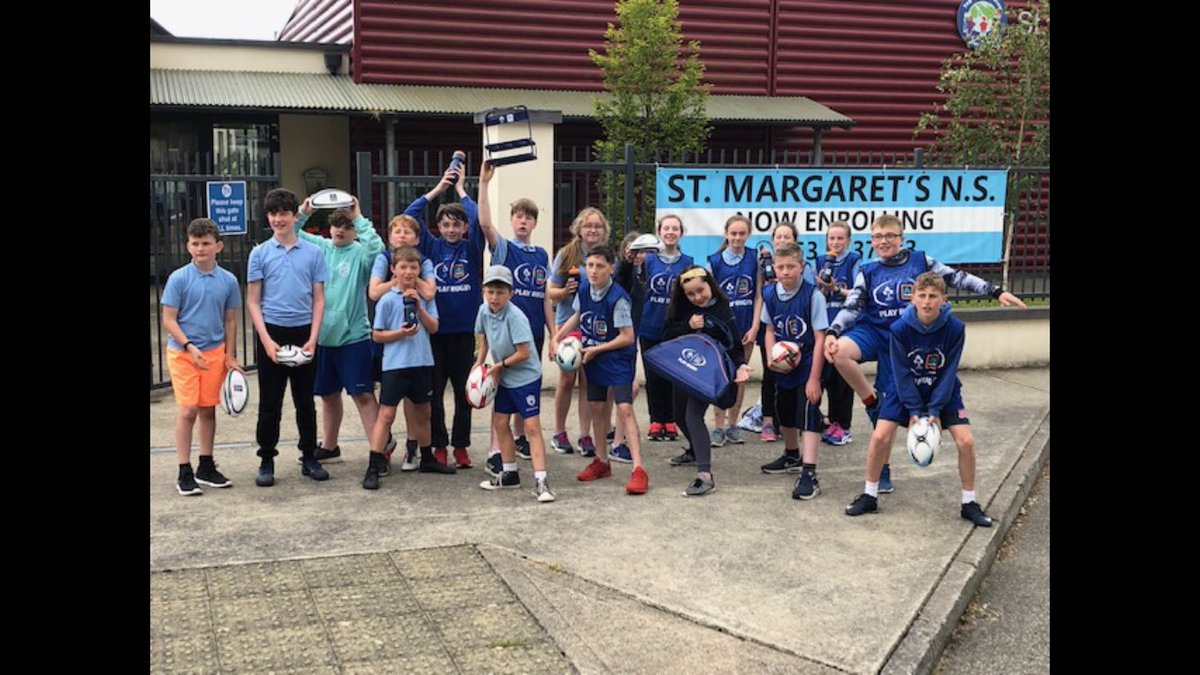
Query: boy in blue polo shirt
[(530, 267), (200, 304), (458, 266), (504, 331), (604, 315), (286, 297), (403, 323), (882, 289), (925, 346), (344, 358)]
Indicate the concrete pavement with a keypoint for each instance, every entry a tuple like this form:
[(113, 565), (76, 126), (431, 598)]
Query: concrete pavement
[(745, 579)]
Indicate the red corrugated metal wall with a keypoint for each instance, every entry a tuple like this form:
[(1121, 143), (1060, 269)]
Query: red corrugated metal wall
[(320, 21), (874, 61)]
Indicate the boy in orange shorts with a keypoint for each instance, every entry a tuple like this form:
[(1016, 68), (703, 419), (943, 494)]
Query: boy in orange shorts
[(200, 304)]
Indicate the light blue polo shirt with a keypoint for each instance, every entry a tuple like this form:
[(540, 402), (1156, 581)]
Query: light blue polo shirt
[(379, 269), (287, 276), (201, 298), (505, 330), (407, 352)]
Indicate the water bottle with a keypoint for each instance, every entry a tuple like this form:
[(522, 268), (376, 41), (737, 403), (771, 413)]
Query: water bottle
[(573, 273), (410, 311), (457, 162), (767, 261), (827, 268)]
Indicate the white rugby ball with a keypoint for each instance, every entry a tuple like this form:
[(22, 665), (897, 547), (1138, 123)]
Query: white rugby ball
[(291, 355), (235, 393), (785, 356), (331, 198), (924, 437), (570, 354), (481, 387)]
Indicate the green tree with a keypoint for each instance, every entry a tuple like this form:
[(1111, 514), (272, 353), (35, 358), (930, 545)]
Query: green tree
[(656, 99), (997, 107), (997, 96)]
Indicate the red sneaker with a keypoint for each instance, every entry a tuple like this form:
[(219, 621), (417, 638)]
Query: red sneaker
[(440, 455), (596, 469), (461, 459), (671, 431), (638, 483), (656, 432)]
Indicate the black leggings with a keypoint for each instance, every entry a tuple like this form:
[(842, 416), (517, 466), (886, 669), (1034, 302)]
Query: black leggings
[(453, 356), (658, 390), (692, 411), (768, 384), (841, 397)]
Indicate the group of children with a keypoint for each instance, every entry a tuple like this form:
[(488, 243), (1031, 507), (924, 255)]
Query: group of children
[(435, 299)]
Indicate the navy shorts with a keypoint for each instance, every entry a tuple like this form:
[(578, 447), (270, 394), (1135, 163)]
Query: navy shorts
[(871, 343), (348, 367), (525, 400), (891, 408), (622, 393), (414, 384), (792, 408)]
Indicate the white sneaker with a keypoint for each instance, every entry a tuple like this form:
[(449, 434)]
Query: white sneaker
[(542, 492)]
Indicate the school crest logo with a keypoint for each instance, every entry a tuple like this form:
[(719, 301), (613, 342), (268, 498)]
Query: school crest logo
[(934, 361), (791, 326), (539, 277), (458, 270), (744, 286), (978, 18), (906, 291), (600, 327), (693, 357)]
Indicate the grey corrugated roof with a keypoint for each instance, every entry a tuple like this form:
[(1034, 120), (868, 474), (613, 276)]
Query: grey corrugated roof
[(339, 93)]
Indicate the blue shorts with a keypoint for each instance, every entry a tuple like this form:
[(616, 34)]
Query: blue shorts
[(871, 342), (525, 400), (891, 408), (348, 366)]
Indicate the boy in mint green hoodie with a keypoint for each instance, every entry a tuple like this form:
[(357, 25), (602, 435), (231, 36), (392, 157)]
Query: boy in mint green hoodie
[(344, 357)]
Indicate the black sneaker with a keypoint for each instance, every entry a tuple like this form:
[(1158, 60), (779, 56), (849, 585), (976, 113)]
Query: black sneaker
[(266, 475), (323, 455), (187, 485), (686, 458), (522, 444), (494, 466), (863, 503), (313, 469), (212, 478), (785, 463), (807, 486), (507, 480), (371, 480), (431, 465), (973, 512)]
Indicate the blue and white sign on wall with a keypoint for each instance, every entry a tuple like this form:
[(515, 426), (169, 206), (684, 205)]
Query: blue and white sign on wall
[(977, 18), (227, 206), (955, 215)]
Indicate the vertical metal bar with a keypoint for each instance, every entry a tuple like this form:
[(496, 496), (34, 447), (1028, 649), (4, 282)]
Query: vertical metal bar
[(362, 184), (818, 154), (629, 178)]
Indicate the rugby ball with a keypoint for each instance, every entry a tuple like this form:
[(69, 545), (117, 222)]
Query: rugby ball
[(924, 437), (331, 198), (291, 355), (570, 353), (481, 387), (235, 393), (785, 356)]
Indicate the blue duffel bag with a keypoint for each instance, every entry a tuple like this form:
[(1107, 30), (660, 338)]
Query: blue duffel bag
[(698, 364)]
